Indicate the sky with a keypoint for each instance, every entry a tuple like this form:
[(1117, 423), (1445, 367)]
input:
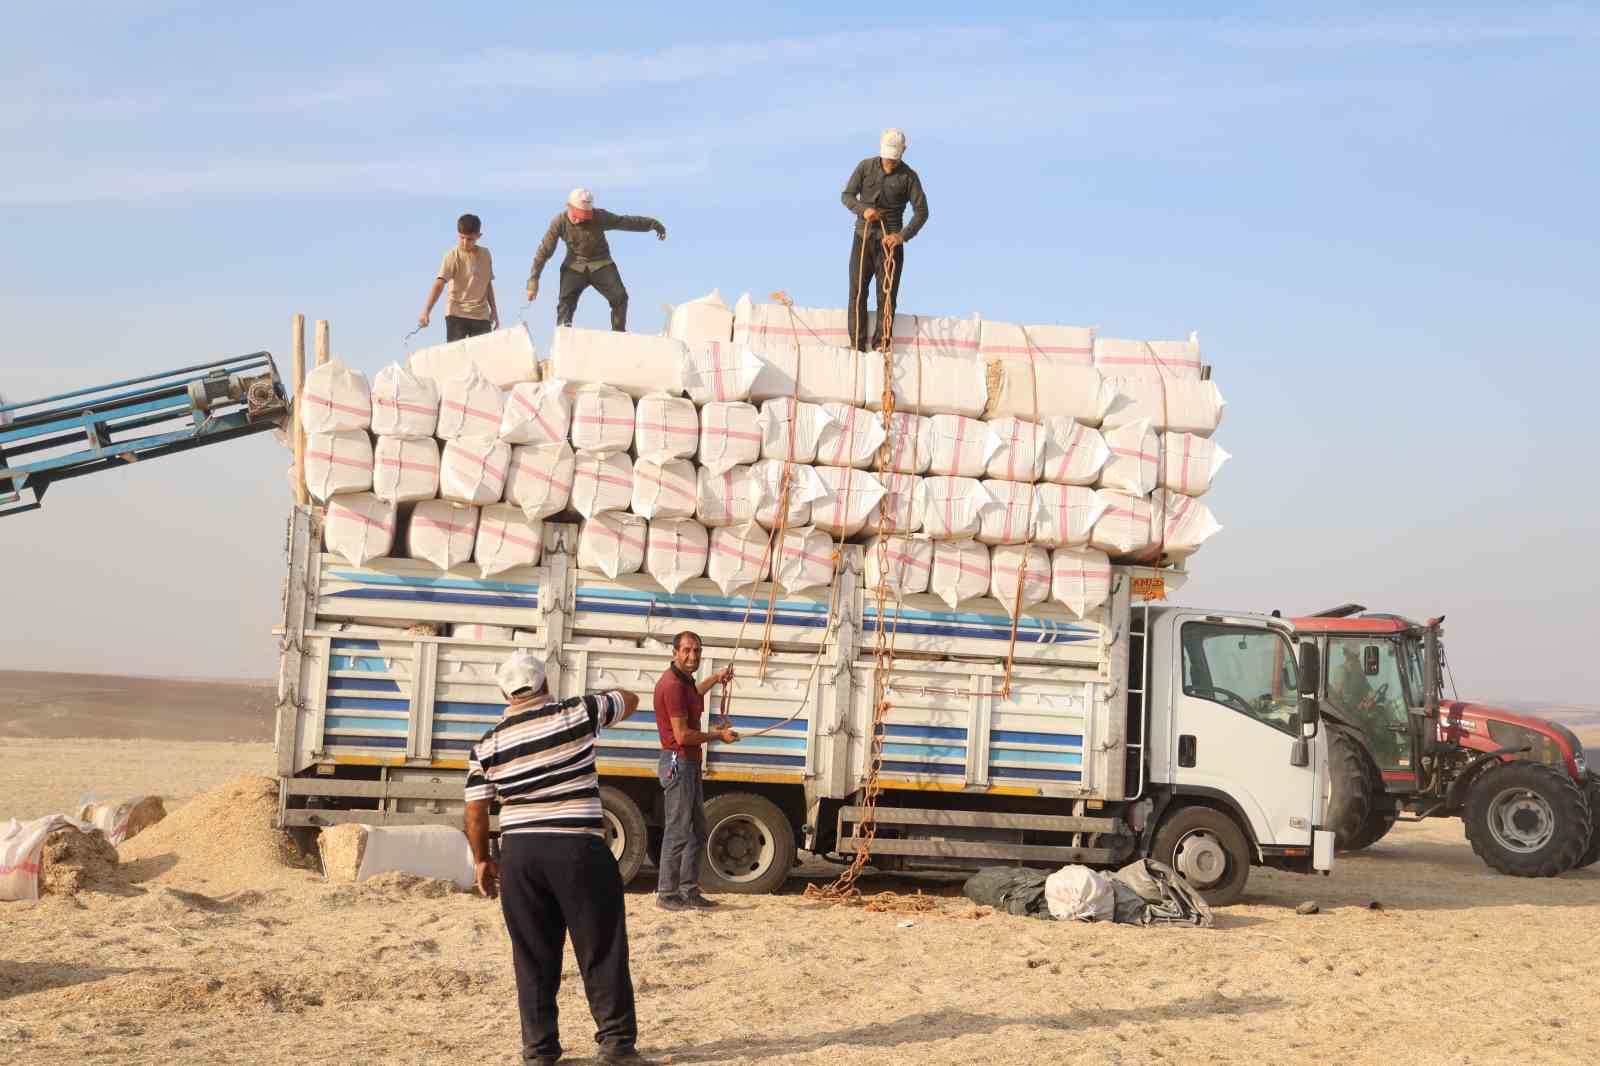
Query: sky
[(1380, 220)]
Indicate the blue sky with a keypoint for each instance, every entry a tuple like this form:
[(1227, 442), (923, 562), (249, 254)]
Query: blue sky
[(1382, 224)]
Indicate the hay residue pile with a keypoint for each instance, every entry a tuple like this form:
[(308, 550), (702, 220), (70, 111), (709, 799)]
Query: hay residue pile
[(223, 839), (341, 848), (74, 861)]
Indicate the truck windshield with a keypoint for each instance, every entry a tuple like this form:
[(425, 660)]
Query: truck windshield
[(1250, 670)]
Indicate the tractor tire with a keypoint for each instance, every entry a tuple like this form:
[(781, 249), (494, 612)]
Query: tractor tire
[(625, 831), (1591, 853), (749, 845), (1209, 849), (1380, 820), (1353, 793), (1527, 820)]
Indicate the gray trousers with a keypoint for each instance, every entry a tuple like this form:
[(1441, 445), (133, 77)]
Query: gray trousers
[(684, 840)]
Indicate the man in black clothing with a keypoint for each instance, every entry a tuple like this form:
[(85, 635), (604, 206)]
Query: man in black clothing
[(583, 227), (877, 193)]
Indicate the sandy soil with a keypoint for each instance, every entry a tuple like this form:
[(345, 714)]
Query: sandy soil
[(47, 705), (39, 777)]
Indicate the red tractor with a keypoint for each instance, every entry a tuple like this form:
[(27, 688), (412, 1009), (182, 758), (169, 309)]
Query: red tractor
[(1397, 749)]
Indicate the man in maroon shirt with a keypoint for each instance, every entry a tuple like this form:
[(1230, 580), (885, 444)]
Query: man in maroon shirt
[(680, 701)]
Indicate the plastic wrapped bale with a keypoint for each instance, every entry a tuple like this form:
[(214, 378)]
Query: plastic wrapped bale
[(937, 335), (537, 412), (804, 559), (405, 469), (852, 437), (442, 533), (359, 527), (1135, 463), (1186, 524), (1074, 454), (775, 328), (1019, 455), (665, 427), (1066, 515), (791, 430), (819, 374), (952, 507), (636, 363), (1062, 345), (961, 570), (404, 405), (1079, 894), (602, 419), (1009, 561), (335, 399), (725, 499), (730, 435), (740, 556), (676, 550), (338, 463), (1126, 528), (358, 852), (1117, 357), (1010, 516), (1080, 579), (470, 405), (851, 498), (540, 478), (805, 487), (75, 859), (910, 439), (506, 538), (902, 565), (125, 820), (473, 470), (719, 372), (1175, 404), (1189, 463), (1040, 390), (899, 511), (702, 321), (612, 543), (601, 483), (933, 383), (962, 447), (475, 631), (505, 357), (664, 490)]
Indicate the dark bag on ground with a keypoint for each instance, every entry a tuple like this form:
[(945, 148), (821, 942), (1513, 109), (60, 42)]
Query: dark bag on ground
[(1012, 889)]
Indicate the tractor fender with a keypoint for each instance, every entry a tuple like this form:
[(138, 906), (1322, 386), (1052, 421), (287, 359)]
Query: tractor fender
[(1471, 772)]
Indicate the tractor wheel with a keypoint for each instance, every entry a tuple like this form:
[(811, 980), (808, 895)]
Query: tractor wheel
[(1380, 820), (625, 831), (749, 845), (1527, 820), (1352, 800), (1591, 853), (1209, 849)]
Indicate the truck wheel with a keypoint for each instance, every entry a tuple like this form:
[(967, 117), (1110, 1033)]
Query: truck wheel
[(1527, 820), (1208, 848), (1591, 853), (625, 831), (749, 845), (1351, 802), (1379, 822)]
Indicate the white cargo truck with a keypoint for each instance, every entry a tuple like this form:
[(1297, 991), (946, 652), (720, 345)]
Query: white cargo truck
[(1136, 730)]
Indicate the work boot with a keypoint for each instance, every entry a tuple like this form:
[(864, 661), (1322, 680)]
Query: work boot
[(669, 902), (629, 1055), (696, 899)]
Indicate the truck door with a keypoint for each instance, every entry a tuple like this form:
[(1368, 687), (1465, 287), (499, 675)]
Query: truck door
[(1364, 683), (1234, 727)]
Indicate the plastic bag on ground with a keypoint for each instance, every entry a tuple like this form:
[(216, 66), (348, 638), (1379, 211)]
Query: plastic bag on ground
[(540, 478), (612, 543), (852, 437), (503, 356), (442, 533), (676, 550), (470, 405), (602, 483), (359, 528), (900, 510), (852, 496), (537, 412), (804, 559), (1074, 454), (1079, 894), (1006, 563), (1190, 462), (725, 499), (1063, 345), (1129, 358), (1020, 453), (704, 320), (730, 435), (740, 556), (636, 363), (602, 419), (1013, 890), (405, 469), (123, 821), (1176, 404), (335, 399), (719, 372), (1080, 579), (827, 375), (962, 447), (951, 506), (473, 469), (1135, 463), (1061, 389), (1011, 514), (338, 463), (404, 405), (665, 427), (506, 538), (790, 430), (805, 487), (960, 571), (1066, 515), (910, 443), (664, 490), (1159, 896), (902, 565)]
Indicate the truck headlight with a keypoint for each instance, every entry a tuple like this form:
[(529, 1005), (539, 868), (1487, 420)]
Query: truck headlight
[(1543, 748)]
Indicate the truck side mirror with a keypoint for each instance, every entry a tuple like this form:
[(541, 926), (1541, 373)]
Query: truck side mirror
[(1310, 682)]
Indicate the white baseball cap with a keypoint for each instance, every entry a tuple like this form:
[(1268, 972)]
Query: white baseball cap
[(521, 671), (581, 198), (891, 144)]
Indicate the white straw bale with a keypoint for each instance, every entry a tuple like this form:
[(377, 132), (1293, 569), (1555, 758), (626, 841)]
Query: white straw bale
[(1189, 463), (602, 482), (636, 363), (335, 399), (1074, 453), (442, 533), (740, 556), (852, 437), (1065, 345), (504, 357), (338, 463), (719, 372), (727, 498), (473, 469), (476, 631), (951, 506), (937, 335), (1126, 528), (1020, 454), (1116, 357), (730, 435), (405, 469), (665, 427), (404, 405), (664, 490), (540, 478), (791, 430), (901, 564), (805, 487), (612, 543), (676, 551), (910, 440), (506, 538), (962, 447), (1010, 516), (804, 559), (1080, 579), (701, 322), (1038, 390), (602, 419), (1006, 563), (470, 405), (815, 373), (537, 412), (1066, 515), (1135, 463), (1176, 404), (960, 570), (900, 510), (774, 328), (359, 527), (851, 498)]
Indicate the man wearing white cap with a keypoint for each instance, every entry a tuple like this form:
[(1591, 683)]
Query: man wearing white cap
[(583, 227), (877, 193), (555, 875)]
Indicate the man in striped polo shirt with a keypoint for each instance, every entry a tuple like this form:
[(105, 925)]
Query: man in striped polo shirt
[(555, 874)]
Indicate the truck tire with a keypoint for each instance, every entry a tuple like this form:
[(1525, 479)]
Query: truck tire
[(1527, 820), (749, 845), (1380, 820), (1209, 849), (1352, 793), (1591, 791), (625, 831)]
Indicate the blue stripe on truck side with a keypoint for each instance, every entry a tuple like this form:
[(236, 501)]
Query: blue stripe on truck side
[(1016, 736), (426, 596)]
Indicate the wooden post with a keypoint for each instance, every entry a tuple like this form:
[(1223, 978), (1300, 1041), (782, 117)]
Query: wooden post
[(322, 341), (298, 432)]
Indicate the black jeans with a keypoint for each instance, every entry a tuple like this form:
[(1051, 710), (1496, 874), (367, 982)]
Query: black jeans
[(551, 885), (683, 840), (871, 278), (608, 280), (457, 328)]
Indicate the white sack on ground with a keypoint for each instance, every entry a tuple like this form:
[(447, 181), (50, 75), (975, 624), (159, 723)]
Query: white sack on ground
[(805, 487), (1067, 514), (602, 483), (338, 463), (665, 427), (1063, 345), (790, 430), (933, 384), (437, 851), (537, 412), (727, 498), (852, 438), (901, 564), (473, 469), (1079, 894), (1126, 527), (1010, 517), (21, 849), (827, 375), (852, 496), (704, 320), (900, 510), (664, 490), (1175, 404), (1186, 524), (404, 405), (612, 543), (540, 478), (1116, 357), (962, 447), (719, 372), (442, 533), (602, 419), (504, 356), (1063, 389), (676, 550), (960, 570), (1080, 579), (1006, 562), (1190, 462), (470, 405), (359, 527), (951, 506), (910, 443), (1020, 454), (937, 335), (335, 399), (730, 435), (1134, 466), (636, 363), (804, 559), (506, 538), (739, 557), (1074, 453), (476, 631), (769, 328)]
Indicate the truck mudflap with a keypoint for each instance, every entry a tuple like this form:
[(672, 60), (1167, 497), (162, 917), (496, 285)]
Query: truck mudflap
[(1322, 850)]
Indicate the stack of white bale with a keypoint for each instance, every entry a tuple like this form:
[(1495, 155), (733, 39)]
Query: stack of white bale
[(1018, 462)]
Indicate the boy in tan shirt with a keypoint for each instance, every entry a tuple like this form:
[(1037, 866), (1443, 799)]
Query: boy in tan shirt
[(470, 273)]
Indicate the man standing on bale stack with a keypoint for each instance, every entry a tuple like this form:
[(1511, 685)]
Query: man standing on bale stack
[(877, 193), (469, 271), (583, 227)]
